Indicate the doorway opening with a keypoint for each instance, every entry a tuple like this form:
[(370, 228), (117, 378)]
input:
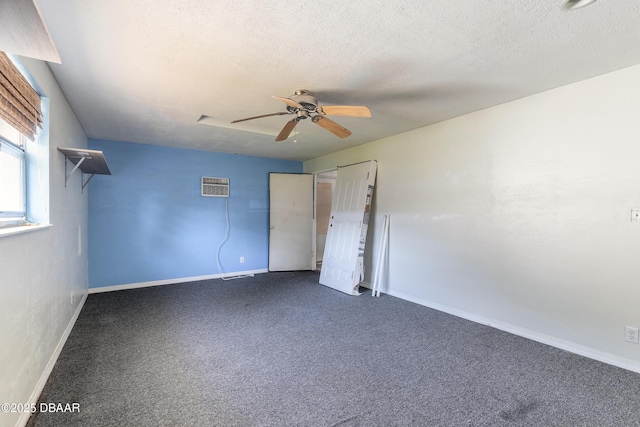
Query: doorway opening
[(325, 183)]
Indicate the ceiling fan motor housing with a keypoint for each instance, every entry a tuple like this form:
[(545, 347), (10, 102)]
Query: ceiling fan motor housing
[(302, 97)]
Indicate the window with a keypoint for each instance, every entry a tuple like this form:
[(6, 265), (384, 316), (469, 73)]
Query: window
[(12, 175), (20, 168)]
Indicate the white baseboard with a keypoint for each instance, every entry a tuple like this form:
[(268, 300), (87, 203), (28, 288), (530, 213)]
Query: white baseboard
[(174, 281), (35, 395), (569, 346)]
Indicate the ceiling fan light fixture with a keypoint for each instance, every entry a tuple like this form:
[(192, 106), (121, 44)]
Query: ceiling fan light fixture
[(576, 4)]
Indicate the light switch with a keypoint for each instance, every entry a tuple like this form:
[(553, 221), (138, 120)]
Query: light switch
[(635, 215)]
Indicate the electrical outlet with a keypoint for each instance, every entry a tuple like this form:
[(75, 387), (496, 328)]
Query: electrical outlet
[(631, 334), (241, 260)]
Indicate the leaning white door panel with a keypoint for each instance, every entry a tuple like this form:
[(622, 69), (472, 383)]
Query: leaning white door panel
[(290, 222), (342, 260)]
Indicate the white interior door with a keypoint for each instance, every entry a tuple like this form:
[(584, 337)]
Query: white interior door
[(344, 248), (290, 222)]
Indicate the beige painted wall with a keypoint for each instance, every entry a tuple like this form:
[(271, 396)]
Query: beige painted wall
[(43, 273), (519, 215)]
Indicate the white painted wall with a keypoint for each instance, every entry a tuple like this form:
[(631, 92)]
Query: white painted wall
[(41, 271), (519, 215)]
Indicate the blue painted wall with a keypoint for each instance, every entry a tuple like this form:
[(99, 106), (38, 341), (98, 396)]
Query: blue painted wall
[(148, 221)]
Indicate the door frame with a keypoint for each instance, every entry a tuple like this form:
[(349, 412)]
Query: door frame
[(315, 214)]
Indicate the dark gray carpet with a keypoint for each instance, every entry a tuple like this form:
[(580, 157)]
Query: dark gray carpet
[(281, 350)]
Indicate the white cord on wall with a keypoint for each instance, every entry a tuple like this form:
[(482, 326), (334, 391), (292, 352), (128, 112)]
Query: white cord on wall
[(224, 240)]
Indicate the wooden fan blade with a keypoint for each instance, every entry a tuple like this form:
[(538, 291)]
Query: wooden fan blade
[(345, 110), (332, 126), (287, 129), (259, 117), (288, 101)]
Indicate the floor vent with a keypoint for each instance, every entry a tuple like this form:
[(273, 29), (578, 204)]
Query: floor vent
[(214, 187)]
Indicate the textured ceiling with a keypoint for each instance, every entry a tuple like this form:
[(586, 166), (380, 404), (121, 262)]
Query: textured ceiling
[(145, 71), (22, 31)]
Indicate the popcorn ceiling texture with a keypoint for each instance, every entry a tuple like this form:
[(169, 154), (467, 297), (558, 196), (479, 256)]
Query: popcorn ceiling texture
[(145, 71)]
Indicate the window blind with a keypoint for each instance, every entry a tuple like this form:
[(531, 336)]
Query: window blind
[(19, 102)]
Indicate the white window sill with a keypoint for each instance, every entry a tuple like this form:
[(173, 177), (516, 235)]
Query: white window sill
[(18, 229)]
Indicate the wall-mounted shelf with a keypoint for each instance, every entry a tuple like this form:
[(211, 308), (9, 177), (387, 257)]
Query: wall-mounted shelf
[(91, 162)]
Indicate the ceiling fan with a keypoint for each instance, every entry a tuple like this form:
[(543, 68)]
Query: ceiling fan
[(305, 106)]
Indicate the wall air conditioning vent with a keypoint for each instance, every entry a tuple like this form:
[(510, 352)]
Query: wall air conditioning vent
[(214, 187)]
